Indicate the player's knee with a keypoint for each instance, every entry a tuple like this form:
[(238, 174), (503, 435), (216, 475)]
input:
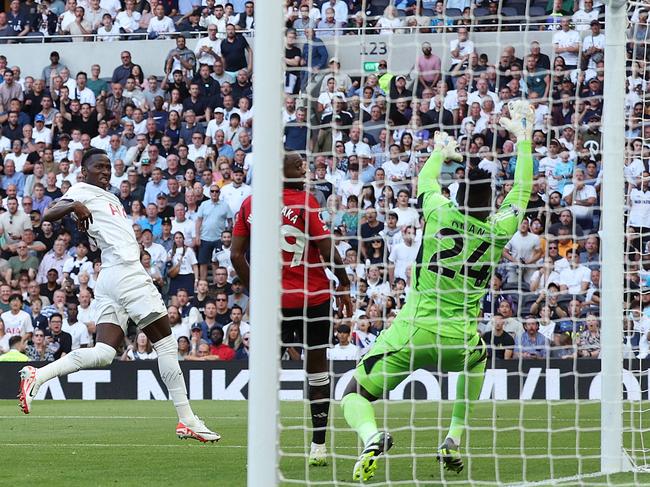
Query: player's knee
[(166, 346), (104, 354)]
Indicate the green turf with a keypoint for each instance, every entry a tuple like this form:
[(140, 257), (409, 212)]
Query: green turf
[(99, 443)]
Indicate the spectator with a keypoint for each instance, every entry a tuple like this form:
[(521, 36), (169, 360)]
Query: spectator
[(581, 198), (77, 330), (183, 267), (142, 350), (236, 53), (531, 344), (500, 344), (39, 350), (213, 217), (566, 44), (160, 25), (60, 340), (576, 278), (219, 349), (344, 349), (589, 340)]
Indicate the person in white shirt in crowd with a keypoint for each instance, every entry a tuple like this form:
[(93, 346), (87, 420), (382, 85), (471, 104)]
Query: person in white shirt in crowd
[(81, 92), (237, 191), (102, 140), (160, 24), (378, 288), (402, 255), (355, 145), (576, 278), (398, 172), (406, 215), (17, 322), (522, 251), (481, 93), (566, 43), (344, 349), (156, 251), (182, 224), (352, 186), (76, 328), (236, 316), (461, 47), (179, 327), (581, 199), (108, 31), (593, 46), (41, 133), (129, 18), (216, 18), (87, 309), (197, 148), (207, 49), (584, 16)]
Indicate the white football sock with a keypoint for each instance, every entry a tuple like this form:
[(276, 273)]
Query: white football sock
[(172, 376), (82, 358)]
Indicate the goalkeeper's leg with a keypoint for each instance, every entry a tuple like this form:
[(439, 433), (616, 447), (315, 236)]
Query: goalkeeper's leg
[(381, 369), (468, 389)]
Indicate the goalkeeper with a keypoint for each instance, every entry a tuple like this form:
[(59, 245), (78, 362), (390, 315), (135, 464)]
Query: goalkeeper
[(438, 324)]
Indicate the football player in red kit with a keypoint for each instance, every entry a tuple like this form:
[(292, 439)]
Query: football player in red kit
[(307, 249)]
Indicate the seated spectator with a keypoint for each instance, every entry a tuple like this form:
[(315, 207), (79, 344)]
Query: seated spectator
[(219, 349), (576, 278), (589, 339), (141, 350), (500, 344), (531, 344), (39, 350)]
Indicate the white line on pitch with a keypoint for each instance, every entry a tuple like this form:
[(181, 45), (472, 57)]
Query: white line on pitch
[(559, 480)]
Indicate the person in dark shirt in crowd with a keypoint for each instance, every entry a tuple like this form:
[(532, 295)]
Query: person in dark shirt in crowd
[(57, 336), (500, 344), (223, 313)]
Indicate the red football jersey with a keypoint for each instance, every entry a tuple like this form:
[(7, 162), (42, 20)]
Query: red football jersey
[(304, 281)]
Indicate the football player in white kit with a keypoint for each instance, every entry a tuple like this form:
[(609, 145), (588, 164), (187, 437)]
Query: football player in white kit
[(124, 289)]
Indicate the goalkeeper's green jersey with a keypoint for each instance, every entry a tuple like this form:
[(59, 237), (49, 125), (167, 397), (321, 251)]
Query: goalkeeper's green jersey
[(458, 252)]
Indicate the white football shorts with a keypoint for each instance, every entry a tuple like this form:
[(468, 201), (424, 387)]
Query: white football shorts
[(127, 291)]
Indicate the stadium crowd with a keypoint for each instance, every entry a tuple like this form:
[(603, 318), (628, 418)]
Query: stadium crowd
[(181, 145)]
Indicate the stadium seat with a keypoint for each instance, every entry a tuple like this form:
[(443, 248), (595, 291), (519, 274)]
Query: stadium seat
[(378, 6), (536, 11), (453, 12), (428, 12), (481, 12), (509, 12)]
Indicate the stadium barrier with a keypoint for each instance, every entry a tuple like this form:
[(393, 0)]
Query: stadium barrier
[(525, 380)]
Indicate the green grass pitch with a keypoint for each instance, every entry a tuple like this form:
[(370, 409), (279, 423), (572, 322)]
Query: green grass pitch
[(111, 443)]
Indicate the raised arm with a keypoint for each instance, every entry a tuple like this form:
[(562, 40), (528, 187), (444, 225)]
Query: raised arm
[(444, 147), (512, 211)]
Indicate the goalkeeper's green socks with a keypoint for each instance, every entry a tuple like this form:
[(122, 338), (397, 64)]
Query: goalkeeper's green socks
[(360, 416), (468, 390)]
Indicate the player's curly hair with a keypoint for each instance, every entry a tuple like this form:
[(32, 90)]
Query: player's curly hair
[(479, 193), (90, 153)]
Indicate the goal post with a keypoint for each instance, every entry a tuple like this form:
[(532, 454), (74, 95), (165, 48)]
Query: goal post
[(264, 364), (613, 457)]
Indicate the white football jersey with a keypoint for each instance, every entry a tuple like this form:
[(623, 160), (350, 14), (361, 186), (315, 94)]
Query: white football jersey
[(110, 230)]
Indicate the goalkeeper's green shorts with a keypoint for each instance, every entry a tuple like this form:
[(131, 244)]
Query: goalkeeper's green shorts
[(402, 348)]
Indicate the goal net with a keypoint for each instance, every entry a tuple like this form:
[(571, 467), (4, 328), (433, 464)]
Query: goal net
[(367, 85)]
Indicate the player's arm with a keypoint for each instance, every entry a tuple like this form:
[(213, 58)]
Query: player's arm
[(512, 211), (240, 244), (331, 256), (444, 148), (63, 207)]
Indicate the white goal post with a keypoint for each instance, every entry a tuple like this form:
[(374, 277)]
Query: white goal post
[(264, 359), (613, 457)]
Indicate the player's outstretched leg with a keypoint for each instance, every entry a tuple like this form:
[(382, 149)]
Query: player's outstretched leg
[(32, 378), (360, 415), (189, 425), (468, 390)]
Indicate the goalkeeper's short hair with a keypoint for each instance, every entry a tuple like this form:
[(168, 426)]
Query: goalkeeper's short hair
[(475, 191)]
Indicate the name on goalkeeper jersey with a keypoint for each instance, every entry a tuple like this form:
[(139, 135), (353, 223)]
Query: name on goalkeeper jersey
[(471, 228)]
